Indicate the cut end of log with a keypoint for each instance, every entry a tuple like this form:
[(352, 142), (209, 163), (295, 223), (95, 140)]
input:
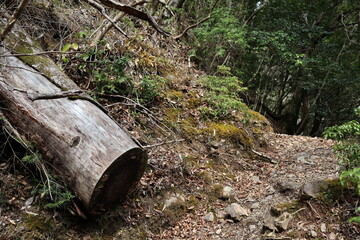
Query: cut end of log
[(118, 180)]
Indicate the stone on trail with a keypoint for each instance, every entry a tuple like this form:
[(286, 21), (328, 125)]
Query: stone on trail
[(175, 199), (227, 192), (313, 189), (235, 211), (209, 217), (282, 222)]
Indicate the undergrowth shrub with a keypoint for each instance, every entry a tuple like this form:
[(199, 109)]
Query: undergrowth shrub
[(347, 148), (222, 95), (48, 186), (108, 70)]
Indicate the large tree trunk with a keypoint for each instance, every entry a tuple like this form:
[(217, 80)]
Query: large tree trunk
[(97, 159)]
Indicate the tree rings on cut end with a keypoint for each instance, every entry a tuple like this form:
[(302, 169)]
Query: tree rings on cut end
[(118, 180)]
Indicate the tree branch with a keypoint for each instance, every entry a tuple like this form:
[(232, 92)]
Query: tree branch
[(198, 23), (136, 13), (101, 9), (256, 12), (13, 19), (100, 32)]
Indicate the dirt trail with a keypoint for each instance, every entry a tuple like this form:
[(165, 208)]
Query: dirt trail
[(296, 160), (175, 171)]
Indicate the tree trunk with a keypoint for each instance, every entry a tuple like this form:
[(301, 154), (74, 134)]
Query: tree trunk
[(176, 3), (96, 158)]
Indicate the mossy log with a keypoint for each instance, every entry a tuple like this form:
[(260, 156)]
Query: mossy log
[(97, 159)]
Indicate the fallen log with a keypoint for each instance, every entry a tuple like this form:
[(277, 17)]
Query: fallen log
[(97, 159)]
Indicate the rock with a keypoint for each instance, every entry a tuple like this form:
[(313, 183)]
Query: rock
[(277, 221), (285, 187), (221, 214), (209, 217), (256, 179), (323, 228), (255, 205), (252, 228), (270, 190), (215, 144), (282, 222), (235, 211), (313, 233), (313, 189), (332, 236), (227, 192), (290, 176), (303, 156), (218, 231), (269, 221), (250, 221), (175, 199)]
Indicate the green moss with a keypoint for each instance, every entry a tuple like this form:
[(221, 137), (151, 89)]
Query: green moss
[(256, 116), (175, 95), (193, 103), (230, 132), (289, 207), (173, 114), (190, 162), (333, 192), (39, 223), (188, 126)]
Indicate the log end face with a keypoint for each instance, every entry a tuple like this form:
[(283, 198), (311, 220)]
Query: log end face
[(116, 182)]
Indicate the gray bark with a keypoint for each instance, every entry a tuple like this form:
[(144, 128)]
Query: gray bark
[(99, 161), (176, 3)]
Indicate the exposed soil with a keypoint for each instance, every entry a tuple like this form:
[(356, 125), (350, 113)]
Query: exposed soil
[(198, 175)]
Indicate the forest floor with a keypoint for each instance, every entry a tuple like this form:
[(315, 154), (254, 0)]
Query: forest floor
[(183, 197)]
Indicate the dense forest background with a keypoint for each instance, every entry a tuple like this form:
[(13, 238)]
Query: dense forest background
[(299, 59)]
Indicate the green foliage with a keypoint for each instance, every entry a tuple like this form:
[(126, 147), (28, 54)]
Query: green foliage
[(62, 200), (355, 219), (110, 76), (348, 147), (286, 52), (57, 195), (48, 185), (222, 95), (107, 68), (348, 150), (149, 88), (32, 158)]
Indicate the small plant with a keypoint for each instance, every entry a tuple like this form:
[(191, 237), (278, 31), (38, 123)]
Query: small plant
[(110, 76), (222, 95), (48, 185), (149, 88), (348, 151)]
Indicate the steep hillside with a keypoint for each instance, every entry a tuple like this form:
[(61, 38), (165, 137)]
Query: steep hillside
[(215, 170)]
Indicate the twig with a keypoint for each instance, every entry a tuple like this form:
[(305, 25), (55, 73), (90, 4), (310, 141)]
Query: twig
[(313, 209), (134, 12), (297, 211), (40, 53), (256, 11), (71, 94), (163, 143), (22, 68), (101, 9), (196, 24), (144, 110), (271, 160), (13, 19), (106, 27)]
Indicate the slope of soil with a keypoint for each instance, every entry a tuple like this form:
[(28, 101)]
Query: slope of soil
[(180, 170)]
